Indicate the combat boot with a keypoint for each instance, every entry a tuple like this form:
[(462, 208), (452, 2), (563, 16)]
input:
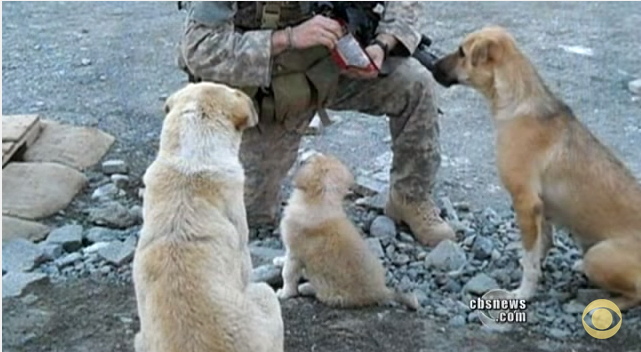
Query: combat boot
[(423, 218)]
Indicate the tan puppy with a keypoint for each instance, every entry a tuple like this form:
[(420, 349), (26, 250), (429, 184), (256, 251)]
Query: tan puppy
[(192, 263), (321, 241), (554, 168)]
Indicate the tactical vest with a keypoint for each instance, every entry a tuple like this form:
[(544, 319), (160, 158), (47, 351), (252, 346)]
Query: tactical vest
[(301, 79)]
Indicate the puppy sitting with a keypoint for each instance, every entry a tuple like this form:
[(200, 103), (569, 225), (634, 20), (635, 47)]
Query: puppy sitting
[(554, 168), (192, 263), (321, 241)]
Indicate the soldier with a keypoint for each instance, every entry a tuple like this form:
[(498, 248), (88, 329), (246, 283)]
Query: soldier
[(277, 52)]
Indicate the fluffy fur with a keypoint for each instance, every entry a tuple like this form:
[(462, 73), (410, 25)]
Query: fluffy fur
[(555, 169), (321, 242), (192, 263)]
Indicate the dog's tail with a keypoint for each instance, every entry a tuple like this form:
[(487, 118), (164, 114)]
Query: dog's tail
[(407, 299)]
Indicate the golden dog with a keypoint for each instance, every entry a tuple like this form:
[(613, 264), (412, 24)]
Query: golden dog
[(192, 263), (554, 168), (321, 241)]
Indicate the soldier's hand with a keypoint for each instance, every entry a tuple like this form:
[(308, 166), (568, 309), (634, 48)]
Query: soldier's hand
[(319, 30), (377, 55)]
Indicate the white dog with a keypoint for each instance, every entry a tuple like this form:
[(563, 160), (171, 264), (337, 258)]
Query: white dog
[(192, 264)]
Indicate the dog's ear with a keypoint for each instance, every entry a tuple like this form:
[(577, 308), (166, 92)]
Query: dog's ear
[(244, 114), (483, 51)]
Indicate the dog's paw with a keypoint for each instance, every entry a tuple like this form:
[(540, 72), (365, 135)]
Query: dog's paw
[(285, 293), (279, 262)]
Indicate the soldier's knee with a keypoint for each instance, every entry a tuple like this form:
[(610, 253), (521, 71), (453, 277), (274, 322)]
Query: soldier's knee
[(415, 76)]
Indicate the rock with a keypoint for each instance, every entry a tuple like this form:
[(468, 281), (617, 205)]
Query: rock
[(482, 248), (14, 228), (457, 321), (383, 227), (441, 312), (449, 209), (73, 146), (69, 236), (105, 192), (38, 190), (14, 284), (85, 62), (480, 284), (69, 259), (264, 255), (574, 307), (374, 245), (20, 255), (102, 234), (315, 126), (401, 259), (267, 273), (51, 251), (446, 256), (635, 86), (406, 237), (120, 181), (112, 214), (95, 247), (117, 253), (473, 317), (376, 202), (368, 185), (136, 213), (111, 167), (586, 296), (558, 333)]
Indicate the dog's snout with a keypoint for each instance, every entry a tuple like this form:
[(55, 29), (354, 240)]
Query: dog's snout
[(441, 74)]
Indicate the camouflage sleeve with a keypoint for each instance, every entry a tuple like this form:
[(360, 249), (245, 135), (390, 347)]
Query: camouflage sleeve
[(214, 51), (399, 20)]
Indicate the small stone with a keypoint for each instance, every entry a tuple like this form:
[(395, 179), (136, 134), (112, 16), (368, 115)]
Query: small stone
[(446, 256), (441, 312), (105, 269), (469, 241), (111, 167), (383, 227), (105, 192), (449, 209), (101, 234), (85, 62), (480, 284), (473, 317), (573, 307), (14, 284), (401, 259), (559, 333), (136, 213), (120, 181), (102, 78), (69, 259), (117, 253), (112, 214), (267, 273), (368, 185), (635, 86), (496, 255), (20, 255), (405, 237), (457, 321), (482, 248), (586, 296), (51, 251), (264, 255), (374, 245), (95, 247), (29, 299), (69, 236), (315, 126)]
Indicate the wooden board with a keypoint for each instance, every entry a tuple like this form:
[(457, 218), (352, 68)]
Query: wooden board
[(18, 131)]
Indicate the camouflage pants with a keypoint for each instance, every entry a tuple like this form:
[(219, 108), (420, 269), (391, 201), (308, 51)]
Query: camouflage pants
[(406, 97)]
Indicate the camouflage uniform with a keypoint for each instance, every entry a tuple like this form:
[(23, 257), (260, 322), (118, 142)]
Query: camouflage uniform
[(213, 49)]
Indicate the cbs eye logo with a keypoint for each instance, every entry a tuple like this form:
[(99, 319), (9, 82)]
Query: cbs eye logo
[(602, 319)]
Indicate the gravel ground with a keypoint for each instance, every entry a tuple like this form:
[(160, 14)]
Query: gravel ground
[(110, 65)]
